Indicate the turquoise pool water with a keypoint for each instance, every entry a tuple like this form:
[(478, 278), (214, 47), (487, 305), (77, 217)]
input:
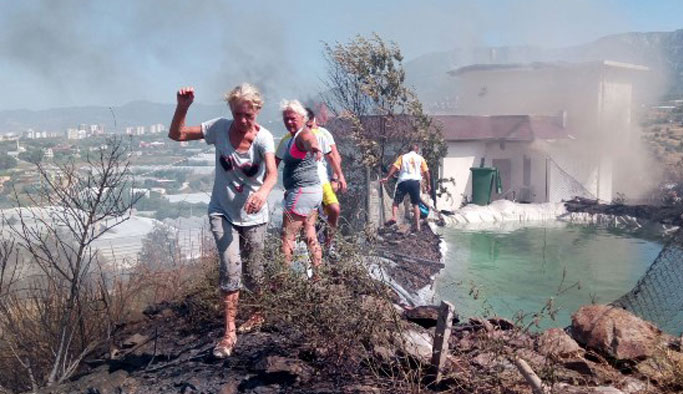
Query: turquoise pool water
[(506, 272)]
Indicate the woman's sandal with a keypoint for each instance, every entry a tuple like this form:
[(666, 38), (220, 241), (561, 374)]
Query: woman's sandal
[(225, 347)]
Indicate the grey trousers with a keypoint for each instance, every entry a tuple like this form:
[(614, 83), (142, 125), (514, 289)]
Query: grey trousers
[(240, 252)]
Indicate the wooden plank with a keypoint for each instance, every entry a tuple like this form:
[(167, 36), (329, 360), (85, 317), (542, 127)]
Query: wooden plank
[(441, 336), (530, 376)]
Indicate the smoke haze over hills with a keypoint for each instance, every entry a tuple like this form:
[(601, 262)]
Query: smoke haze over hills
[(662, 52)]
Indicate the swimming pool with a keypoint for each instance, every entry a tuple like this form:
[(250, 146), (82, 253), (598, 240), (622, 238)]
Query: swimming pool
[(506, 271)]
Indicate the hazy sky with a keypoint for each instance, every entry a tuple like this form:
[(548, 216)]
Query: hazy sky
[(56, 53)]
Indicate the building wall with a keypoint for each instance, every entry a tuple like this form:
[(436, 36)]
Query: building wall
[(558, 171), (460, 157), (516, 153), (598, 100)]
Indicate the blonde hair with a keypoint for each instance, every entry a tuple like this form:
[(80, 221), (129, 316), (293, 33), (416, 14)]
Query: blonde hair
[(244, 92), (293, 105)]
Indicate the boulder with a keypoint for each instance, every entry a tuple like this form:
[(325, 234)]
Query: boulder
[(418, 344), (614, 332), (557, 343)]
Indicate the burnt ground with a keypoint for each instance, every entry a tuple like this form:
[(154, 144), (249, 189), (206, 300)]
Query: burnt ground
[(170, 349), (168, 353), (416, 254), (671, 215)]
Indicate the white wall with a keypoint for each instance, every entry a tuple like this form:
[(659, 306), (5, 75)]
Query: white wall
[(460, 157), (515, 152), (598, 100)]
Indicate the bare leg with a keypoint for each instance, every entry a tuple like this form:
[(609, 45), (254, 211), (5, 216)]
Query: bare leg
[(227, 343), (394, 211), (416, 214), (230, 303), (332, 211), (291, 225), (312, 240)]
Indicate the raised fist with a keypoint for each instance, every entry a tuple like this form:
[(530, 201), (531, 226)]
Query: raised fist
[(185, 96)]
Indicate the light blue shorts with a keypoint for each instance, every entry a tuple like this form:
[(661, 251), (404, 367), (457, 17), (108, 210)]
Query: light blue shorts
[(303, 200)]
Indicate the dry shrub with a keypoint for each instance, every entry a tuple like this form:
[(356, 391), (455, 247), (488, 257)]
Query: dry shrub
[(665, 368), (30, 321), (343, 316), (163, 276)]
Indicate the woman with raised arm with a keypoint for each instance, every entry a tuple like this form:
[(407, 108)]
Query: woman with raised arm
[(238, 211)]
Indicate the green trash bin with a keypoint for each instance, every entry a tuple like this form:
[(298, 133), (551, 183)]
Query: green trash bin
[(483, 181)]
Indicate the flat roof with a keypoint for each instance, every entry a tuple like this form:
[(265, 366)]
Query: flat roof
[(501, 127), (545, 65)]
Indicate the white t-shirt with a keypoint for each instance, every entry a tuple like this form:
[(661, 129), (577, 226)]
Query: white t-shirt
[(326, 141), (410, 166), (238, 174)]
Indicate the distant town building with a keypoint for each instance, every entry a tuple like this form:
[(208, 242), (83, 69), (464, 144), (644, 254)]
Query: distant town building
[(157, 128), (48, 154)]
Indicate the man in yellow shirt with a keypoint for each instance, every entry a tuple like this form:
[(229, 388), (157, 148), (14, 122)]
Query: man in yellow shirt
[(411, 169)]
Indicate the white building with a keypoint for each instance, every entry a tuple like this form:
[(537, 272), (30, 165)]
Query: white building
[(552, 130), (157, 128)]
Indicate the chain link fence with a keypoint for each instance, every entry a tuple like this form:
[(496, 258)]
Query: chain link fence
[(563, 183), (658, 295)]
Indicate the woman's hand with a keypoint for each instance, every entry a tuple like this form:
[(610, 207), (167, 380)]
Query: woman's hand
[(255, 202), (317, 152), (185, 97)]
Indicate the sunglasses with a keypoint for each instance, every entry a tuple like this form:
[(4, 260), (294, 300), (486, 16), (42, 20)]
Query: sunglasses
[(248, 169)]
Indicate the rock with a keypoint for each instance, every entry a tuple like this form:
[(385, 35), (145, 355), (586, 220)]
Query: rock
[(581, 366), (563, 388), (134, 340), (418, 344), (556, 343), (479, 323), (283, 368), (100, 382), (362, 389), (186, 387), (232, 387), (614, 332), (633, 386), (491, 360), (384, 354), (532, 358), (426, 315), (501, 323)]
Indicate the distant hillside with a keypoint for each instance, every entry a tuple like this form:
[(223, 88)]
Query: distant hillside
[(132, 114), (137, 113), (661, 51)]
